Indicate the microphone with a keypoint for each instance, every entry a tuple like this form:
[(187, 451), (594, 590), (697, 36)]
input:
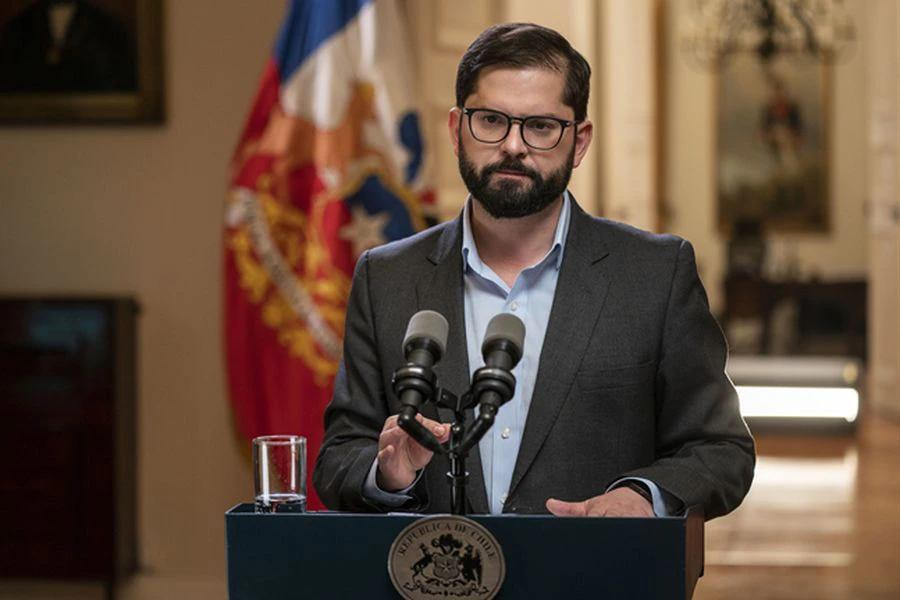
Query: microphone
[(493, 384), (423, 346), (426, 338), (503, 342)]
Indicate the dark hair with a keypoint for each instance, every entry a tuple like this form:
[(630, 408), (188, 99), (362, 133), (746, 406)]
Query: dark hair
[(526, 45)]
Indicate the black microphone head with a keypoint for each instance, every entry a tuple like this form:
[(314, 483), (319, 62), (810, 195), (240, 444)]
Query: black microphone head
[(427, 325), (505, 329)]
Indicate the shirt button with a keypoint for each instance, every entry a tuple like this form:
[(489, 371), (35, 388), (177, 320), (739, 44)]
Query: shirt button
[(503, 498), (505, 433), (514, 306)]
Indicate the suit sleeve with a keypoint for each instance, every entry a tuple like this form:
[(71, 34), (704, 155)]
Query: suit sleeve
[(705, 454), (358, 408)]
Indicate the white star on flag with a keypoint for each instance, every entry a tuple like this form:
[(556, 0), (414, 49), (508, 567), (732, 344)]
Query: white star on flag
[(364, 230)]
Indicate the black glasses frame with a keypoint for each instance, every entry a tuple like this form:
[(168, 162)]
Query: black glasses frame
[(521, 120)]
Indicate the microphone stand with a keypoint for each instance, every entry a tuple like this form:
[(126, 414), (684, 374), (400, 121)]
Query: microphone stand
[(461, 442), (458, 476)]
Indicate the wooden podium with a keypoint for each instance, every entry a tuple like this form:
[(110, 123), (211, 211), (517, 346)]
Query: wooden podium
[(339, 555)]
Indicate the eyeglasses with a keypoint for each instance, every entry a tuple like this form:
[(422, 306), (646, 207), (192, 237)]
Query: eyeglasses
[(492, 126)]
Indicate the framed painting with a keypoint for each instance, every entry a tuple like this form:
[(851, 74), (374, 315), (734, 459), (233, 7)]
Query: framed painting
[(773, 141), (68, 61)]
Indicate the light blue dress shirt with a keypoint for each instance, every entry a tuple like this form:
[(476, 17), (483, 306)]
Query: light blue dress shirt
[(530, 298)]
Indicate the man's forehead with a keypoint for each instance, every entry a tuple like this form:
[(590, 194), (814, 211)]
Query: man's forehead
[(521, 90)]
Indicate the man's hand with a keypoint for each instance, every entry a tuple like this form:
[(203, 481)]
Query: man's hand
[(620, 502), (400, 456)]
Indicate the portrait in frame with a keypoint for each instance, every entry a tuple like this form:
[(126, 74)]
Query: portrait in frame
[(90, 61), (773, 140)]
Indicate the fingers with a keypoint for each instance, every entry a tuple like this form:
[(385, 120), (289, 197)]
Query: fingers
[(406, 454), (400, 456), (620, 502), (394, 436), (439, 430), (625, 502), (385, 453), (390, 423), (566, 509), (418, 455)]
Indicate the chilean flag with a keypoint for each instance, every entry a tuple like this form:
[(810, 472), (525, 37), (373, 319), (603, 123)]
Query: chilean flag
[(331, 162)]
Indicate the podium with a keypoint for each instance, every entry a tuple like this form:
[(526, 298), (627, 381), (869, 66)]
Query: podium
[(340, 555)]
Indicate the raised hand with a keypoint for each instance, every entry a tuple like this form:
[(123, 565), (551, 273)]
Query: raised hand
[(400, 456)]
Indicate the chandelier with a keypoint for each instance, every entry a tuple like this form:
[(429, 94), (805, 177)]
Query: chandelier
[(718, 29)]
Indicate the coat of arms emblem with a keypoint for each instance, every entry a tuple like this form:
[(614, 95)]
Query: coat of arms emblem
[(446, 556)]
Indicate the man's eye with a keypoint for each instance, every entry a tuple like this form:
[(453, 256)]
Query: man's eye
[(490, 119), (542, 125)]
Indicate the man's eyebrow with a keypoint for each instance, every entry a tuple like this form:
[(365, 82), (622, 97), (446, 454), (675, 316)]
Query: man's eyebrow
[(540, 116)]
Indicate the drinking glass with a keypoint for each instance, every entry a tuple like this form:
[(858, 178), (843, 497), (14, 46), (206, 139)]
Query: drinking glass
[(279, 473)]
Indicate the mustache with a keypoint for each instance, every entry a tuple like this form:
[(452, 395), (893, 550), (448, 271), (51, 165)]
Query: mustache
[(511, 166)]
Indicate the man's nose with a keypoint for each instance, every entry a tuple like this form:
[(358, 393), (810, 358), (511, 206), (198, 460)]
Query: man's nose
[(513, 144)]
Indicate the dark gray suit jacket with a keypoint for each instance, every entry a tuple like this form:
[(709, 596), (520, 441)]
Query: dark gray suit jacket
[(631, 379)]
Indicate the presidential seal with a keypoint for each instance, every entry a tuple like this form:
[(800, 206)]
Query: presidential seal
[(446, 556)]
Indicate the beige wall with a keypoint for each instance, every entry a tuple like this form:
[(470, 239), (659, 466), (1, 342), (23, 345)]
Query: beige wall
[(138, 210), (884, 216), (629, 105), (690, 153)]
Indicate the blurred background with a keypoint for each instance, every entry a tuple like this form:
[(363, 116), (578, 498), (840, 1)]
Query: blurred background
[(775, 154)]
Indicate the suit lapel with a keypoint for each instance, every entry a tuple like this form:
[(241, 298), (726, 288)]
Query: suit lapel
[(580, 293), (442, 291)]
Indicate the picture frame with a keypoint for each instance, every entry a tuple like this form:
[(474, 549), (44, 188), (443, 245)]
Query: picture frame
[(773, 144), (81, 61)]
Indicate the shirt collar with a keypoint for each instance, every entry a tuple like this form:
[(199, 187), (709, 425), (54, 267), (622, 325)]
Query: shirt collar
[(472, 260)]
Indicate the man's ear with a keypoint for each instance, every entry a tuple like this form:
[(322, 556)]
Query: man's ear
[(584, 132), (454, 120)]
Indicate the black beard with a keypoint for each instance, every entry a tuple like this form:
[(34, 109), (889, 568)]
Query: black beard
[(514, 199)]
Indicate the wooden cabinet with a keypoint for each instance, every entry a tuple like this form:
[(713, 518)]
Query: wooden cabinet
[(828, 317), (67, 438)]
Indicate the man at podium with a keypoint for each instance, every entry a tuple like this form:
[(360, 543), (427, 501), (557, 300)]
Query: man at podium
[(621, 406)]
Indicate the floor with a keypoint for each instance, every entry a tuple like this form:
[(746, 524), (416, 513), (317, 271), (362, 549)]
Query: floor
[(822, 521)]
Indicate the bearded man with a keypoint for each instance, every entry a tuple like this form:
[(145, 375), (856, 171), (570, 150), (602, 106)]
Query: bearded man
[(622, 406)]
